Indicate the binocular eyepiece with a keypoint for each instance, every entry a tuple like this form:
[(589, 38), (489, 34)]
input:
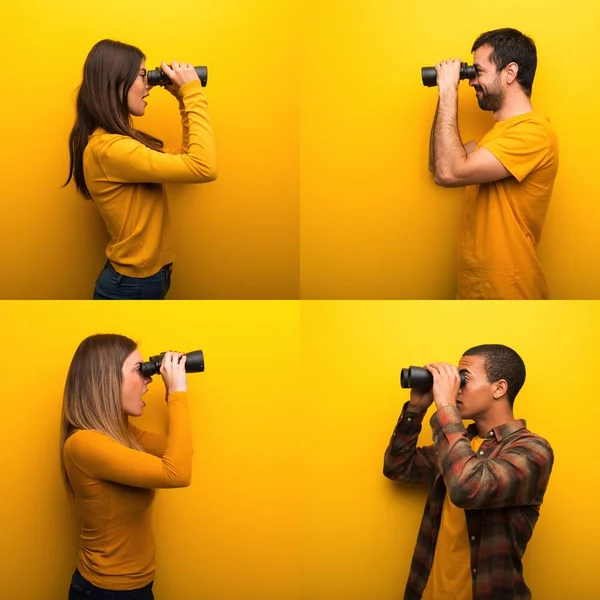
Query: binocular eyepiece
[(429, 74), (194, 363), (159, 77), (419, 377)]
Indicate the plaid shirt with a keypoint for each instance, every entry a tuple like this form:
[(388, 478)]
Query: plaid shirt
[(501, 489)]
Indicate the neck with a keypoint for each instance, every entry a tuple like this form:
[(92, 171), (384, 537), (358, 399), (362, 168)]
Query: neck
[(499, 416), (516, 103)]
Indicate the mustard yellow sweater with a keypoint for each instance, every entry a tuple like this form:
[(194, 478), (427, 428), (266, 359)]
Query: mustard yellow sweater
[(113, 488), (125, 179)]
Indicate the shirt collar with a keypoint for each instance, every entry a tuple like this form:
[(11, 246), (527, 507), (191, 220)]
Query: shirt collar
[(501, 431)]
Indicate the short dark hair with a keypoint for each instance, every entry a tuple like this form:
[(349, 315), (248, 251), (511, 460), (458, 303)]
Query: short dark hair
[(501, 362), (509, 45)]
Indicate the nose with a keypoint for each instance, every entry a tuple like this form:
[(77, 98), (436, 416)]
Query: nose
[(147, 380)]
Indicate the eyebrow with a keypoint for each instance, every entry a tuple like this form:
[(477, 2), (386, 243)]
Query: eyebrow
[(477, 65), (465, 371)]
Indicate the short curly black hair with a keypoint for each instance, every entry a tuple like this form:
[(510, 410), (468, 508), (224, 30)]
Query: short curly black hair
[(501, 362)]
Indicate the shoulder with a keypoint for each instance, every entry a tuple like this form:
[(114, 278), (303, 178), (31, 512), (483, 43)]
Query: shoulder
[(83, 440), (542, 125), (101, 142), (535, 436), (533, 443), (530, 124), (529, 135)]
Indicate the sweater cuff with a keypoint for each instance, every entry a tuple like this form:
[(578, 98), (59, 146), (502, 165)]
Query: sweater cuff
[(189, 86), (174, 396), (409, 418)]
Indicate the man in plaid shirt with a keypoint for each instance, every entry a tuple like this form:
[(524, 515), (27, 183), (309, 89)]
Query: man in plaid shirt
[(486, 482)]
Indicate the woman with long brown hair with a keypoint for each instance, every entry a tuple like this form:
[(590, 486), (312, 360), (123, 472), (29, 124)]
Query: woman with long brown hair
[(123, 170), (111, 468)]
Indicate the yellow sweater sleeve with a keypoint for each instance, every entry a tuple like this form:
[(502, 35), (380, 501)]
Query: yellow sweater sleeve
[(185, 131), (125, 160), (101, 457), (154, 443)]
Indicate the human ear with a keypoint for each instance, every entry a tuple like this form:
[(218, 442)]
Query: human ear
[(500, 389), (512, 70)]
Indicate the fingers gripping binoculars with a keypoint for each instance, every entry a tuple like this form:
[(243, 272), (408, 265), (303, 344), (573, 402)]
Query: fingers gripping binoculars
[(159, 77), (194, 363), (429, 74), (419, 377)]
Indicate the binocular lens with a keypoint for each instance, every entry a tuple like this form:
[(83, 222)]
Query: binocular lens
[(419, 377), (158, 77), (194, 363), (429, 74)]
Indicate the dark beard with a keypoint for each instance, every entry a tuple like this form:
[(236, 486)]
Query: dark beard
[(491, 102)]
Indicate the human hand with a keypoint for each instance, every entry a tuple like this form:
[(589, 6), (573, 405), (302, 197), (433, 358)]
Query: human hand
[(420, 399), (172, 371), (446, 383), (179, 74), (448, 75)]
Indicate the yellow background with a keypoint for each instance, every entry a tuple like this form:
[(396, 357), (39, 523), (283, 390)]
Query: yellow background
[(322, 128), (359, 527), (291, 419), (373, 223), (237, 237), (234, 532)]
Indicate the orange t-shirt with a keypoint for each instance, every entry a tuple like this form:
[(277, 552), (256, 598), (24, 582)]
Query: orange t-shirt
[(450, 576), (502, 221)]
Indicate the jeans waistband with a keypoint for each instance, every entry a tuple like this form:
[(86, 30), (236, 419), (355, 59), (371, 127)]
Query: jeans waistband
[(167, 267)]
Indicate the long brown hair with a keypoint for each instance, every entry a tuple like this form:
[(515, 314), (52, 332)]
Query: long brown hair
[(92, 395), (109, 71)]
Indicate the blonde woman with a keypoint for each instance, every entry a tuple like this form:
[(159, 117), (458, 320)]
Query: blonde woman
[(111, 467)]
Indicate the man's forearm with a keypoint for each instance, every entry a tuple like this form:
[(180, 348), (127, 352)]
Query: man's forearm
[(448, 148), (403, 460), (432, 140)]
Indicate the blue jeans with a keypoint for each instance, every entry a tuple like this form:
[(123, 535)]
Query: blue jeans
[(82, 589), (111, 285)]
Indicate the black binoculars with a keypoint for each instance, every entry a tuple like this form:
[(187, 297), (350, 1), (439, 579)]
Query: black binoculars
[(159, 77), (429, 74), (194, 363), (419, 377)]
